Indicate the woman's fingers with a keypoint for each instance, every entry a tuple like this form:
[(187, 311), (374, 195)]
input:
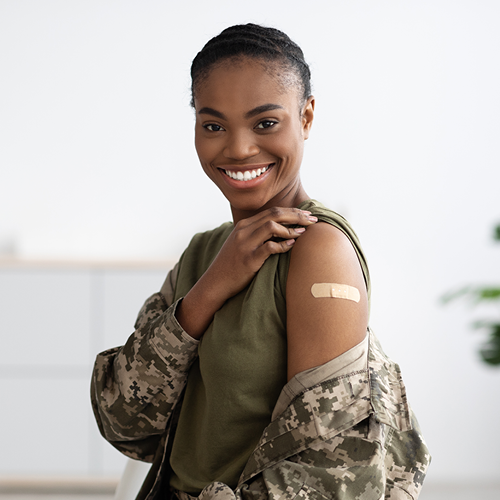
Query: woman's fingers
[(252, 241), (279, 214), (272, 233), (271, 247), (276, 224)]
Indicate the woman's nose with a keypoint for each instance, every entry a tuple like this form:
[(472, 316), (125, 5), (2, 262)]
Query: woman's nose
[(241, 146)]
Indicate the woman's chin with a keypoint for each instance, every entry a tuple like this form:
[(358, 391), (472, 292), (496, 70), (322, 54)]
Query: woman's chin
[(249, 206)]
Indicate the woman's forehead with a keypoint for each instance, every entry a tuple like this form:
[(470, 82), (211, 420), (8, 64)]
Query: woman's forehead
[(248, 83)]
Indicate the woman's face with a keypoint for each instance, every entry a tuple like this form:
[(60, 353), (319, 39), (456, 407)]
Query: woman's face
[(250, 132)]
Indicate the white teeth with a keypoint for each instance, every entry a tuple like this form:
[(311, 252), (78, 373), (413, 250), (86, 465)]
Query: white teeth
[(246, 175)]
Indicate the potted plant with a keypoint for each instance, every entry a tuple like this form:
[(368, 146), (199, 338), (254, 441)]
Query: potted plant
[(490, 349)]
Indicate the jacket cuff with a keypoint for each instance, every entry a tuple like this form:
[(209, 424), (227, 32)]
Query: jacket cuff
[(171, 342)]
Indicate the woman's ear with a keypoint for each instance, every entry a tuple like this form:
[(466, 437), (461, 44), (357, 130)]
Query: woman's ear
[(307, 116)]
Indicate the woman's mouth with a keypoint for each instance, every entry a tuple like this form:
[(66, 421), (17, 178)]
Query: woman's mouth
[(246, 175)]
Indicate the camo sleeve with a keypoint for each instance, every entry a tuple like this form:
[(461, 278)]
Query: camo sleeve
[(367, 461), (136, 387)]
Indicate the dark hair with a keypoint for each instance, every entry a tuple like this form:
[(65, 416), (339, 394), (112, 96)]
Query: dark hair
[(251, 40)]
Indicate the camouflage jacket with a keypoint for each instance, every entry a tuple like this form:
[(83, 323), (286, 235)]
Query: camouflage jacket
[(349, 437)]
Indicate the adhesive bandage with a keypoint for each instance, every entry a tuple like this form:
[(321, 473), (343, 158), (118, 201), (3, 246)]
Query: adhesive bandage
[(334, 290)]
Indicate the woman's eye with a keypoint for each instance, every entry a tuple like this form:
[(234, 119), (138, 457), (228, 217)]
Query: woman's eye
[(213, 127), (266, 124)]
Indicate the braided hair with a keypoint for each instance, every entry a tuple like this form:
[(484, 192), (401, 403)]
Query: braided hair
[(254, 41)]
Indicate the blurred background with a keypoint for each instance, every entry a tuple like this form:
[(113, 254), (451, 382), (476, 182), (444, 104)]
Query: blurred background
[(101, 190)]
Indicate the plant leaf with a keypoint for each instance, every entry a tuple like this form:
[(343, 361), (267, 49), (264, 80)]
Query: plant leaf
[(496, 233), (490, 351), (488, 293), (448, 297)]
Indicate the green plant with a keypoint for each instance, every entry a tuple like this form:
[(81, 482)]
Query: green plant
[(490, 349)]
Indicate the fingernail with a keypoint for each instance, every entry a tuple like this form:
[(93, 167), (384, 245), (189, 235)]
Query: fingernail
[(290, 242), (312, 218), (306, 212), (299, 230)]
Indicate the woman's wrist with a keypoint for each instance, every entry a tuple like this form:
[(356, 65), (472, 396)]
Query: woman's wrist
[(197, 309)]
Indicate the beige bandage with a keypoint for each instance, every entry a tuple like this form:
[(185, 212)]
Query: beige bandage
[(335, 290)]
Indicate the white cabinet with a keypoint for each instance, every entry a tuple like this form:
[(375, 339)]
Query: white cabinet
[(54, 319)]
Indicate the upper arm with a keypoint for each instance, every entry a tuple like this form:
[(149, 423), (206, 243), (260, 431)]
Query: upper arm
[(320, 329)]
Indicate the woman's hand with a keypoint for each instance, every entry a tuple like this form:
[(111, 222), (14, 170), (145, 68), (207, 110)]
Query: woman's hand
[(252, 241), (249, 245)]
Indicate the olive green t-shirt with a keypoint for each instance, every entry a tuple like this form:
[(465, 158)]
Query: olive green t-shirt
[(241, 369)]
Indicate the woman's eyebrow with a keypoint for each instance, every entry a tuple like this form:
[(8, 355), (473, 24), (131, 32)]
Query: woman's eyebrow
[(213, 112), (262, 109), (250, 114)]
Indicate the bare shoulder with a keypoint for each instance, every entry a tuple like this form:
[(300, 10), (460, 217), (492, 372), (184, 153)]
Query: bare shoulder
[(325, 242), (321, 328)]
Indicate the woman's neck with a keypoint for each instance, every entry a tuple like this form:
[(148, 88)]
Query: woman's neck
[(288, 199)]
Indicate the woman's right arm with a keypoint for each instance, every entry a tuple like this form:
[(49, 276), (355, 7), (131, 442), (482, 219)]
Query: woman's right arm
[(136, 387)]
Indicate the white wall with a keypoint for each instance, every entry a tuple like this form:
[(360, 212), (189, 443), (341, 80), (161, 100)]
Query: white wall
[(97, 161)]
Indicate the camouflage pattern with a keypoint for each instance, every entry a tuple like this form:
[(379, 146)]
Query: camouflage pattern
[(352, 437), (136, 387)]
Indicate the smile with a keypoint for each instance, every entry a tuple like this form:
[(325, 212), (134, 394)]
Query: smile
[(247, 175)]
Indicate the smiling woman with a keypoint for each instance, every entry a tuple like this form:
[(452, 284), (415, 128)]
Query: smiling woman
[(247, 120), (253, 374)]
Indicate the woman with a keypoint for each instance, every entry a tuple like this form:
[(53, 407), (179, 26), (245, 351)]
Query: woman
[(252, 373)]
